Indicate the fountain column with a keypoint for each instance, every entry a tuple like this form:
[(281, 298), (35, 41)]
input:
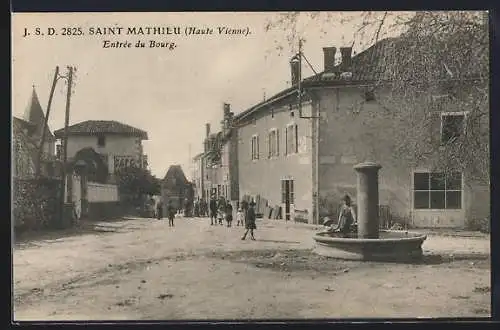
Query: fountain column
[(367, 199)]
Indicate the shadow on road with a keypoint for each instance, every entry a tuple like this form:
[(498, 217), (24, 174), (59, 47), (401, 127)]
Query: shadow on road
[(276, 241), (54, 236), (438, 259)]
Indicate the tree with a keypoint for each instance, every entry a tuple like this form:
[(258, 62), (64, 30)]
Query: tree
[(438, 60), (136, 182)]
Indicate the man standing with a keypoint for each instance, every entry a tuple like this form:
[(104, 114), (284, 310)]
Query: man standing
[(213, 210), (159, 209)]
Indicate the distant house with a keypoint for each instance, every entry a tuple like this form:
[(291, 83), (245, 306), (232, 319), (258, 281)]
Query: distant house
[(175, 187), (198, 176), (220, 160), (118, 145)]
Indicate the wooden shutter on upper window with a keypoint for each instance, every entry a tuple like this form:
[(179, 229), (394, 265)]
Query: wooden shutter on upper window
[(435, 122), (277, 142), (296, 138)]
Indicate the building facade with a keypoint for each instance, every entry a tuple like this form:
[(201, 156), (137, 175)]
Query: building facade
[(299, 155), (118, 144), (220, 160), (198, 172)]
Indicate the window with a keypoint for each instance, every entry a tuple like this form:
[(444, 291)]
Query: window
[(273, 143), (255, 147), (101, 141), (437, 191), (452, 126), (292, 141)]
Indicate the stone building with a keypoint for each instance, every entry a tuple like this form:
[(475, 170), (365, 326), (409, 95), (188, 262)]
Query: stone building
[(176, 188), (26, 141), (220, 177), (198, 172), (119, 145), (301, 157)]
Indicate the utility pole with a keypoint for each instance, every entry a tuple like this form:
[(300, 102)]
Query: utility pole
[(44, 131), (315, 125), (65, 144)]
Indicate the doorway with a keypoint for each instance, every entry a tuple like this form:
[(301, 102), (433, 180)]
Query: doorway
[(287, 196)]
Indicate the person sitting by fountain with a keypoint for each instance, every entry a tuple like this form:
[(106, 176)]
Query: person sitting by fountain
[(347, 217)]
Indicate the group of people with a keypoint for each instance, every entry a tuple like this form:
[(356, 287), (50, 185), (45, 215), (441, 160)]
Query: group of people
[(170, 210), (200, 208), (222, 209)]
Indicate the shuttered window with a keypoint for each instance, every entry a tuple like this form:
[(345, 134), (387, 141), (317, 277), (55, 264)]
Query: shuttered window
[(292, 140), (273, 143), (255, 147)]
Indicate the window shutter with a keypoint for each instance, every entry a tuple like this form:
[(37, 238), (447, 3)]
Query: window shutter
[(283, 191), (435, 121), (296, 138), (286, 140), (251, 148), (277, 142), (257, 149), (435, 129), (269, 146)]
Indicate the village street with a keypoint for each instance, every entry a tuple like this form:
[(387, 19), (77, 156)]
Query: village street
[(142, 269)]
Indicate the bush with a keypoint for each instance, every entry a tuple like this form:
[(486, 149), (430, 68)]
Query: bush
[(35, 203)]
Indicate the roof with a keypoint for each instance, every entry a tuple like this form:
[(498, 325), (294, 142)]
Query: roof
[(97, 127), (386, 60), (34, 115), (198, 156), (175, 177)]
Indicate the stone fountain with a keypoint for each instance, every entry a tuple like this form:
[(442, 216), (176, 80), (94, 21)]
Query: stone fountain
[(370, 243)]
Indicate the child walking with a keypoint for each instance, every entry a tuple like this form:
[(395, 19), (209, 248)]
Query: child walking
[(250, 222), (229, 214), (239, 217)]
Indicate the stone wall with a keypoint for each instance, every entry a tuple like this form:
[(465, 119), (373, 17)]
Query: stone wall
[(35, 204)]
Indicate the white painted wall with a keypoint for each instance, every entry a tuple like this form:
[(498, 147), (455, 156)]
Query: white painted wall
[(98, 192), (115, 145)]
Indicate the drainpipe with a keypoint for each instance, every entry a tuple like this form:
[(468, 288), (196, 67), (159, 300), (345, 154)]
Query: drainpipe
[(316, 165)]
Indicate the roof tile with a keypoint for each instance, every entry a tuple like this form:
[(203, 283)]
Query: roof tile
[(96, 127)]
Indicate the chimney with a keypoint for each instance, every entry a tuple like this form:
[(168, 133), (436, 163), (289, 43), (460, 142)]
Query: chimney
[(346, 64), (329, 58), (227, 109), (295, 70), (207, 128)]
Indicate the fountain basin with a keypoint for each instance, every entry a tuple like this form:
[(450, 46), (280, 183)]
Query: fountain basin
[(390, 246)]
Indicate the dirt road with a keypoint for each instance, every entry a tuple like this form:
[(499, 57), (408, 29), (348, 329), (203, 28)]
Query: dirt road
[(142, 269)]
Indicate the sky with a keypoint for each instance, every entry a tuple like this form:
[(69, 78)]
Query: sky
[(169, 94)]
